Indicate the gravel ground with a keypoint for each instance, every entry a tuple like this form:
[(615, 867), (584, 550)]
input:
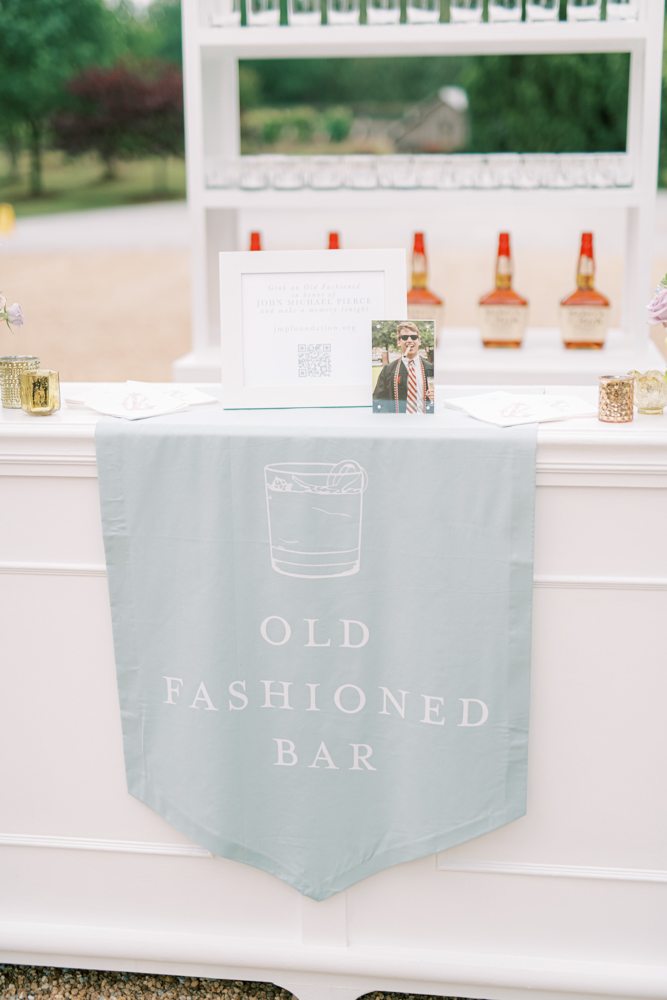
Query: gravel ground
[(27, 982)]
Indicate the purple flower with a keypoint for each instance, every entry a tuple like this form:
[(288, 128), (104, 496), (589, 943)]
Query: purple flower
[(657, 307), (15, 316)]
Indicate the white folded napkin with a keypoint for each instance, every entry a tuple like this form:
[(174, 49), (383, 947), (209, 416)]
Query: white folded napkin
[(138, 400), (133, 403), (181, 391), (505, 409)]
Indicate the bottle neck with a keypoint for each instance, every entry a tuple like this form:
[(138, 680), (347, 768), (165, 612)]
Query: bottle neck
[(504, 272), (419, 270), (586, 273)]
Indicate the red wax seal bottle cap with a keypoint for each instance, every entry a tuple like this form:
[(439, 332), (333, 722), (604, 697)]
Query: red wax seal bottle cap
[(333, 241), (419, 243), (255, 241), (587, 245), (504, 245)]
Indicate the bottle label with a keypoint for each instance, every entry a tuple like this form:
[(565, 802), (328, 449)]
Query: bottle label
[(418, 310), (584, 324), (504, 267), (586, 266), (500, 323)]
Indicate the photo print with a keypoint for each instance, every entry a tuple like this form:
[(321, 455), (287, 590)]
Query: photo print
[(403, 369)]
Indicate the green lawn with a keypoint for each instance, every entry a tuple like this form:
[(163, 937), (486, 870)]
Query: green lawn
[(71, 185)]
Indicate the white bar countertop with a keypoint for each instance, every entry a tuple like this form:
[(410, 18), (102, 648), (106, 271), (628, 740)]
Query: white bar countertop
[(64, 443)]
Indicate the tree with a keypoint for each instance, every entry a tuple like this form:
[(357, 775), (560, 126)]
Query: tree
[(44, 43), (547, 104), (123, 113)]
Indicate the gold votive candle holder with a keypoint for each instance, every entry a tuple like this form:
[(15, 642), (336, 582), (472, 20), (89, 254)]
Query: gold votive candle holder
[(616, 399), (650, 392), (40, 392), (11, 367)]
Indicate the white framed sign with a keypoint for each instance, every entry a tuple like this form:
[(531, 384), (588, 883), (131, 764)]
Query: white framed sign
[(296, 324)]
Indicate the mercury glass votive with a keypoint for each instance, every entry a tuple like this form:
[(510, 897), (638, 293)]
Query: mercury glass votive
[(616, 399), (11, 367), (40, 392), (650, 392)]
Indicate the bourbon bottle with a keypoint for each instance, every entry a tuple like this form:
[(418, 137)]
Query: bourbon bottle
[(422, 303), (255, 241), (584, 315), (503, 312), (334, 243)]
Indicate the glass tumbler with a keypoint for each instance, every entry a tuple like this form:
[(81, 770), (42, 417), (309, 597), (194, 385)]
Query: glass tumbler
[(542, 10), (465, 11), (583, 10), (40, 392), (423, 11), (616, 398), (622, 10), (263, 13), (504, 10), (304, 13), (225, 13), (11, 367), (383, 11), (343, 11)]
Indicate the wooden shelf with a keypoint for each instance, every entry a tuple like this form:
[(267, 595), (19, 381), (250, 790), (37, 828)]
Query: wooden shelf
[(462, 359), (426, 39)]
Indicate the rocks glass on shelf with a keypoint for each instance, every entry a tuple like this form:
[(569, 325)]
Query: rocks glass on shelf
[(583, 10), (423, 11), (504, 10), (615, 400), (11, 367), (383, 11), (542, 10), (225, 13), (343, 11), (465, 11), (621, 10), (304, 13), (263, 13)]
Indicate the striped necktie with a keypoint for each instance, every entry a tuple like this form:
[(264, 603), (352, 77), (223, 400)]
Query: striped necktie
[(412, 388)]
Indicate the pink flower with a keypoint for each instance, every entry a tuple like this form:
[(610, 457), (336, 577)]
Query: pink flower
[(657, 307), (15, 316)]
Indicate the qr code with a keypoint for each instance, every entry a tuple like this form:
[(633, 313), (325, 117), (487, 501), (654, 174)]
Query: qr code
[(314, 360)]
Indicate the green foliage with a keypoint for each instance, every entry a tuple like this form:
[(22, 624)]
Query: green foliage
[(44, 43), (351, 81), (250, 87), (338, 122), (550, 103), (384, 334), (164, 19), (540, 104)]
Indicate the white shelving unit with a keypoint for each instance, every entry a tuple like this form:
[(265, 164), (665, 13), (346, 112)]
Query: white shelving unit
[(211, 58)]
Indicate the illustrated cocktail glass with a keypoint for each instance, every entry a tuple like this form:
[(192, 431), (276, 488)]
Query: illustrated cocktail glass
[(314, 511)]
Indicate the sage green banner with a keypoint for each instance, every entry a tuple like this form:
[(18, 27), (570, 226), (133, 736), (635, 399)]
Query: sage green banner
[(322, 627)]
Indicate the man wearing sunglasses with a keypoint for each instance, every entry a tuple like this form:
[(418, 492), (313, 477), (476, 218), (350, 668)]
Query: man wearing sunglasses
[(402, 386)]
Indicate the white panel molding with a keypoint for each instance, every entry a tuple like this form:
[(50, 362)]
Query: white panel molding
[(541, 581), (600, 582), (605, 468), (53, 569), (444, 864), (26, 458), (98, 844)]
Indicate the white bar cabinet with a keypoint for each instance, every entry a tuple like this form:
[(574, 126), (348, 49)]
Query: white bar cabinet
[(568, 902)]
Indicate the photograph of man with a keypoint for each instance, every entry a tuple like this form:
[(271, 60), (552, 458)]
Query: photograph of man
[(403, 385)]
